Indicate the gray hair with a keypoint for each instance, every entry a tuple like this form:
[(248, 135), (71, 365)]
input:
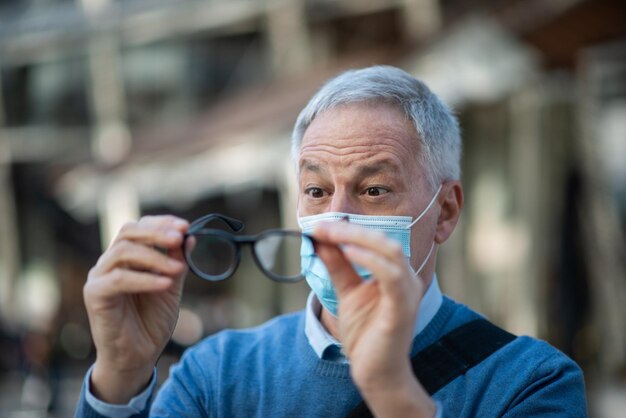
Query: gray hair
[(436, 126)]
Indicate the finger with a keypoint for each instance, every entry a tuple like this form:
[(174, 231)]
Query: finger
[(123, 281), (165, 221), (164, 231), (346, 233), (394, 278), (341, 272), (127, 254), (188, 245)]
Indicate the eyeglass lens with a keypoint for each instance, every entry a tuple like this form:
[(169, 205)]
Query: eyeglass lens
[(276, 252), (279, 254), (213, 255)]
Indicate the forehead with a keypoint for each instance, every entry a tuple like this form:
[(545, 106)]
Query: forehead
[(360, 134)]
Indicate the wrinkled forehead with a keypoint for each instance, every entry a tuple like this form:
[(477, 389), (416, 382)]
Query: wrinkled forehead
[(356, 132)]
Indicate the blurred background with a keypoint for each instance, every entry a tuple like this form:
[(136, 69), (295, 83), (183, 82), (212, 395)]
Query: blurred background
[(112, 109)]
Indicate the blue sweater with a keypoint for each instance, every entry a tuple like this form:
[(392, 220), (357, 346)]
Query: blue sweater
[(272, 371)]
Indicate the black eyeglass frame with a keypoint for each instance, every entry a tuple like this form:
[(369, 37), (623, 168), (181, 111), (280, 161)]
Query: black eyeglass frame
[(197, 228)]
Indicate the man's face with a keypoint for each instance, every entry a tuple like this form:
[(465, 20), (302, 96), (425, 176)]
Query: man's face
[(362, 158)]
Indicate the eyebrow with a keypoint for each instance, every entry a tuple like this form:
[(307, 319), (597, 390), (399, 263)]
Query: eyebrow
[(362, 171), (308, 165), (376, 168)]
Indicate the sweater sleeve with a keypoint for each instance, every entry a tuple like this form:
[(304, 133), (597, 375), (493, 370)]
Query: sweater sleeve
[(555, 389), (186, 393)]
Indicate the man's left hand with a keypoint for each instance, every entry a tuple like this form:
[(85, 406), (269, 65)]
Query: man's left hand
[(376, 317)]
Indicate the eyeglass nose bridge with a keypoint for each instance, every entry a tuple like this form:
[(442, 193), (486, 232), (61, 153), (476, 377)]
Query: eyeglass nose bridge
[(252, 241), (255, 253), (237, 241)]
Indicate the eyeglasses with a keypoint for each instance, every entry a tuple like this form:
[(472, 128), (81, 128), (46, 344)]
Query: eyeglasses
[(215, 254)]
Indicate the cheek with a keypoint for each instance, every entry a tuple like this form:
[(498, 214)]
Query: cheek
[(416, 249), (300, 207), (422, 237), (304, 207)]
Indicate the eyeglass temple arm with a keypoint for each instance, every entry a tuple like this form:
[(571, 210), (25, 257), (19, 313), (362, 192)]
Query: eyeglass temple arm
[(234, 224)]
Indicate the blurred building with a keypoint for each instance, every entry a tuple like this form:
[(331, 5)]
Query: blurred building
[(110, 109)]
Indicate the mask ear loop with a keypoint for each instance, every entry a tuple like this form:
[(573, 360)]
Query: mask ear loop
[(425, 211), (420, 216), (418, 271)]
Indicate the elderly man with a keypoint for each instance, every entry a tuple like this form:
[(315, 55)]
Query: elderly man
[(376, 149)]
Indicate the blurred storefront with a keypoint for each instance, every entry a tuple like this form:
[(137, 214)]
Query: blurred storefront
[(112, 109)]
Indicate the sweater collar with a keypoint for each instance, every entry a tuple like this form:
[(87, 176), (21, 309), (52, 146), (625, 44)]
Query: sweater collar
[(328, 348)]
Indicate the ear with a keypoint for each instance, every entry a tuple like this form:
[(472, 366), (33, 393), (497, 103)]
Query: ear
[(451, 201)]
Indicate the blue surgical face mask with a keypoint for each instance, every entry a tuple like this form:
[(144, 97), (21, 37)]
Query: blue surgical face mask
[(395, 227)]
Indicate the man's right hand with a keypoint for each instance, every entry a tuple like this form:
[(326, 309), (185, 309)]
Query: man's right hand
[(132, 296)]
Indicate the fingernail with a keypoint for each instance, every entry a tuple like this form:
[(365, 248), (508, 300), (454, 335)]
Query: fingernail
[(162, 281), (179, 223), (174, 263), (173, 234)]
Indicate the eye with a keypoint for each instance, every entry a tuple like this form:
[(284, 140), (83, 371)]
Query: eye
[(314, 192), (375, 191)]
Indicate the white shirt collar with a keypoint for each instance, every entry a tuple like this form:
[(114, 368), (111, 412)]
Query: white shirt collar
[(321, 340)]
